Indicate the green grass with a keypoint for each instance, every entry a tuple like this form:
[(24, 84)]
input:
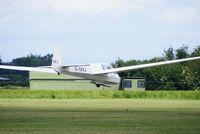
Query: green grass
[(99, 116), (97, 94)]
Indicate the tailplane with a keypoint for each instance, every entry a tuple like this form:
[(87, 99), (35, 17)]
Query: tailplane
[(56, 60)]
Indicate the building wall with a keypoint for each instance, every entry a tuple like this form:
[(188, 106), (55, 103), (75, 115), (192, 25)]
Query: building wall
[(66, 85), (47, 81)]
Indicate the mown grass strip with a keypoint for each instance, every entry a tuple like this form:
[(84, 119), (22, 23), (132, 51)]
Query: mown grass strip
[(103, 94), (99, 116)]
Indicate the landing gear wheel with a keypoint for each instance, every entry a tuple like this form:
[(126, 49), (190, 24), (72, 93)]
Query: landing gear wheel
[(98, 85)]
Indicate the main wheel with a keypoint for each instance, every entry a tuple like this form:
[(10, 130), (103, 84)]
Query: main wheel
[(98, 85)]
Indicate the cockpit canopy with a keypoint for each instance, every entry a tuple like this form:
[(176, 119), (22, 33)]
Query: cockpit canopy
[(106, 66)]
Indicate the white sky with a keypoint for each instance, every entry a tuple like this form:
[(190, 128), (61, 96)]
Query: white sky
[(97, 30)]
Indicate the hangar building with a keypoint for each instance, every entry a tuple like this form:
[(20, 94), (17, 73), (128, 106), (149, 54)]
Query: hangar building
[(47, 81)]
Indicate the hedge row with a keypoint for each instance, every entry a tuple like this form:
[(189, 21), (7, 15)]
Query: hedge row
[(97, 94), (13, 83)]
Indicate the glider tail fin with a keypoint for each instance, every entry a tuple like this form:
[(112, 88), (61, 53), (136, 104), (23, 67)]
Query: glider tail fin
[(56, 60)]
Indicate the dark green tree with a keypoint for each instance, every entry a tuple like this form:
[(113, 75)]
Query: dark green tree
[(196, 51), (33, 60), (182, 52), (169, 53)]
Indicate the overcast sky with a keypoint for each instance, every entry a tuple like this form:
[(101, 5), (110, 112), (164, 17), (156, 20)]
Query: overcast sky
[(97, 30)]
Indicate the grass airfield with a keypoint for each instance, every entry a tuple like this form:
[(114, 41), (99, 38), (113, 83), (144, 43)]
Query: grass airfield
[(97, 116)]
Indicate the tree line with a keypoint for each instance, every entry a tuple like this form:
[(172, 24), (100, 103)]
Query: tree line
[(179, 76)]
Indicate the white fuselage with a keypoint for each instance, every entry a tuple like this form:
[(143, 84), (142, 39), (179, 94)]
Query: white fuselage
[(88, 72)]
